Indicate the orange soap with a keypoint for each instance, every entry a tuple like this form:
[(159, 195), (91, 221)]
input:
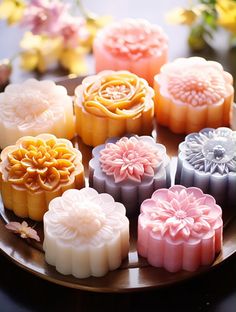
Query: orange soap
[(193, 93), (112, 104), (37, 169)]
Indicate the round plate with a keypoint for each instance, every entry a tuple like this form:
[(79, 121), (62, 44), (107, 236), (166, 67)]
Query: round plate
[(135, 273)]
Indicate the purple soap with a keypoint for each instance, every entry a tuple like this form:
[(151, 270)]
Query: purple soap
[(130, 169), (208, 160)]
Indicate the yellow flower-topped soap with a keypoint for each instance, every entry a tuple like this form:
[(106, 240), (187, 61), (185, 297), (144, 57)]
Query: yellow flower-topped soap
[(113, 103), (37, 169)]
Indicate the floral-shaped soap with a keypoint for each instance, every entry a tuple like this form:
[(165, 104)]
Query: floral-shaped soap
[(208, 160), (233, 117), (113, 104), (85, 233), (131, 44), (34, 107), (193, 93), (37, 169), (180, 229), (129, 169)]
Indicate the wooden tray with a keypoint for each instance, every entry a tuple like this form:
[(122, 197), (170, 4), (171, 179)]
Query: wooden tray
[(135, 273)]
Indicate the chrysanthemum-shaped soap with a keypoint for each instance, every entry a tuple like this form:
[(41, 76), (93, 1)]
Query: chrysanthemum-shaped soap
[(35, 107), (193, 93), (85, 233), (180, 229), (129, 169), (132, 44), (37, 169), (233, 117), (208, 160), (112, 104)]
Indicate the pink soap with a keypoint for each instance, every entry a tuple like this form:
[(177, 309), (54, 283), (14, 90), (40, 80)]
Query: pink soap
[(131, 44), (180, 229)]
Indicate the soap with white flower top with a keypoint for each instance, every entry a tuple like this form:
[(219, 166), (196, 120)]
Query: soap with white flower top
[(129, 169), (207, 159), (180, 229), (85, 233), (192, 94), (36, 170), (34, 107), (233, 117)]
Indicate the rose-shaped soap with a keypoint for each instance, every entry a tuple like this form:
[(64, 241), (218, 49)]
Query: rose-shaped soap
[(208, 160), (193, 93), (132, 44), (180, 228), (37, 169), (35, 107), (85, 233), (129, 169), (233, 117), (112, 104)]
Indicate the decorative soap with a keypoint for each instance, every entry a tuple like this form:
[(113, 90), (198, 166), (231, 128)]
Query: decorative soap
[(131, 44), (180, 229), (85, 233), (208, 160), (233, 117), (37, 169), (129, 169), (193, 93), (35, 107), (112, 104)]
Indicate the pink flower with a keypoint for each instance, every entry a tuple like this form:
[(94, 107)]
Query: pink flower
[(23, 230), (129, 158), (44, 17)]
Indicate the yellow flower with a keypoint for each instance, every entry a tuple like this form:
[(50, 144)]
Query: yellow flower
[(93, 24), (226, 10), (12, 10), (74, 60), (182, 16), (39, 52)]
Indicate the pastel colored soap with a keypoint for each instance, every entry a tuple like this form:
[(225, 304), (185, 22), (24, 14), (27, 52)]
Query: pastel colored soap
[(34, 107), (113, 104), (233, 117), (208, 160), (36, 170), (191, 94), (131, 44), (180, 229), (129, 169), (85, 233)]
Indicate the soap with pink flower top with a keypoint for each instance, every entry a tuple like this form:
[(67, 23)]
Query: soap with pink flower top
[(129, 169), (192, 94), (34, 107), (180, 229), (131, 44), (85, 233)]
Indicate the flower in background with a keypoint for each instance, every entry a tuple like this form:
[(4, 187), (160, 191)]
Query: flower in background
[(74, 60), (204, 18), (12, 10), (23, 230)]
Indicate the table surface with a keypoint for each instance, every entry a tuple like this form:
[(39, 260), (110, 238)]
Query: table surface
[(213, 291)]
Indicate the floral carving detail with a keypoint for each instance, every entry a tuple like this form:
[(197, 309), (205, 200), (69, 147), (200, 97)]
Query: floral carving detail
[(40, 163), (196, 82), (180, 212), (85, 217), (117, 95), (133, 38), (129, 158), (32, 103), (211, 150)]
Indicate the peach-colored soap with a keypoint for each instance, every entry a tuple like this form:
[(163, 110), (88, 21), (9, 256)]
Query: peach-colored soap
[(192, 94), (180, 229), (134, 45)]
